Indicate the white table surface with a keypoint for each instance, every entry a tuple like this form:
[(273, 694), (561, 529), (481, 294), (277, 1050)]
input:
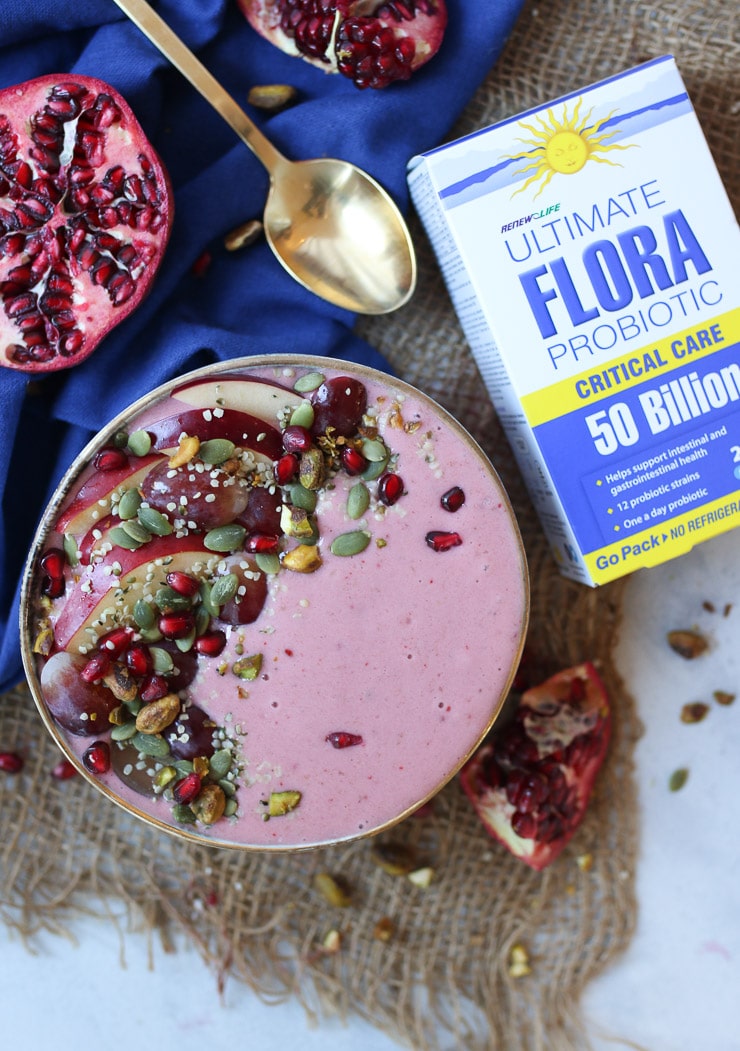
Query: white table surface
[(676, 989)]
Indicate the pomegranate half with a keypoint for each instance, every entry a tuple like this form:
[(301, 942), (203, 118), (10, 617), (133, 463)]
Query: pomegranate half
[(531, 781), (86, 210), (373, 43)]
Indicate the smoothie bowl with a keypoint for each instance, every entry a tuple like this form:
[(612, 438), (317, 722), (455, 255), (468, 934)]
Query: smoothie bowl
[(275, 604)]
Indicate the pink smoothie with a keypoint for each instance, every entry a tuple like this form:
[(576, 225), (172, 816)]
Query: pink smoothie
[(366, 679)]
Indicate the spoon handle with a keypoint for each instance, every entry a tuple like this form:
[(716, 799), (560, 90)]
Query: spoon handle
[(183, 59)]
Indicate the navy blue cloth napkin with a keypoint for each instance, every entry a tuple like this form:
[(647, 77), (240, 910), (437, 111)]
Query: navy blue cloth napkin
[(245, 303)]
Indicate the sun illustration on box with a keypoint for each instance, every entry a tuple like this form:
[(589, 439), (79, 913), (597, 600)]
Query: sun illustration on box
[(563, 146)]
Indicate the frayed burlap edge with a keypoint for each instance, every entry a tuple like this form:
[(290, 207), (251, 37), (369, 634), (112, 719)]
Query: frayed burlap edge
[(442, 980)]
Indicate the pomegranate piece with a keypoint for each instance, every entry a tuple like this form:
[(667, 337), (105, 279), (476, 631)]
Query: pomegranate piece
[(453, 499), (10, 762), (373, 43), (86, 210), (96, 758), (530, 782), (343, 739)]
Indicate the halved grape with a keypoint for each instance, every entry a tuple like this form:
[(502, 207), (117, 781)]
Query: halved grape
[(339, 403), (82, 708), (209, 497)]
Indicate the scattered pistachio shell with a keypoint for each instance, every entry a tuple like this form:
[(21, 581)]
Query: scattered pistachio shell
[(384, 929), (140, 442), (216, 451), (44, 642), (121, 682), (394, 858), (225, 538), (723, 697), (248, 667), (311, 470), (283, 802), (302, 559), (272, 97), (164, 776), (224, 588), (348, 544), (243, 236), (129, 504), (519, 966), (687, 644), (183, 815), (308, 382), (358, 500), (334, 890), (302, 415), (295, 522), (678, 779), (157, 715), (694, 712), (154, 521), (188, 447), (421, 877)]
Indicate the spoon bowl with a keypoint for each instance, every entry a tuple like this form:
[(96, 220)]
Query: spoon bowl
[(330, 224)]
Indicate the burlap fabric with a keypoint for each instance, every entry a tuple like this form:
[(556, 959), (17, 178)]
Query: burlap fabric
[(442, 980)]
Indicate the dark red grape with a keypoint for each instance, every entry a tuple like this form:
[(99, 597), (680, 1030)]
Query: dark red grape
[(191, 734), (245, 607), (82, 708), (262, 513), (339, 403)]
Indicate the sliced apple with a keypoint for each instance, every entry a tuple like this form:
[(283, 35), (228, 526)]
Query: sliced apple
[(94, 498), (268, 401), (242, 428), (101, 598)]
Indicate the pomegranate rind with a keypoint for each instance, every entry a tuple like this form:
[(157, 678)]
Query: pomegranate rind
[(571, 705), (50, 241), (424, 31)]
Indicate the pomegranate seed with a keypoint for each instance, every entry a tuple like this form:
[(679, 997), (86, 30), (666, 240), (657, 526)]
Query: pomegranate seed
[(352, 460), (154, 687), (53, 587), (342, 739), (139, 660), (52, 563), (201, 264), (115, 642), (10, 762), (286, 468), (187, 789), (262, 544), (110, 460), (390, 488), (176, 625), (63, 770), (211, 644), (453, 499), (98, 666), (296, 439), (438, 540), (183, 583), (96, 758)]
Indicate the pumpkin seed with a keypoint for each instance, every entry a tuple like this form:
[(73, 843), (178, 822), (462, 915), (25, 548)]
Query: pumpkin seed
[(123, 732), (230, 808), (120, 538), (220, 764), (153, 745), (269, 564), (358, 500), (205, 597), (374, 470), (225, 538), (302, 415), (71, 550), (311, 381), (227, 787), (272, 97), (143, 614), (348, 544), (170, 601), (154, 521), (120, 440), (224, 588), (140, 442), (137, 531), (185, 644), (305, 499), (202, 620), (678, 779), (216, 450), (182, 814), (129, 504), (152, 634), (162, 662), (374, 449), (183, 766)]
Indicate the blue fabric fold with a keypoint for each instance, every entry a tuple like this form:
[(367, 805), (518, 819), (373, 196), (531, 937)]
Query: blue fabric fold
[(244, 303)]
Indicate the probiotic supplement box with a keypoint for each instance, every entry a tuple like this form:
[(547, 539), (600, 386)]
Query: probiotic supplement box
[(593, 258)]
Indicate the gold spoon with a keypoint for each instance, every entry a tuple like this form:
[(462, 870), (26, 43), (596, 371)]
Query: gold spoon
[(331, 225)]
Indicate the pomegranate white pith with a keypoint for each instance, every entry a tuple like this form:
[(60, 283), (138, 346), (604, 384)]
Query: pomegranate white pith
[(85, 215), (373, 43)]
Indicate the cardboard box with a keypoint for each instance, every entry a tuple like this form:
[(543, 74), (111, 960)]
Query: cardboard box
[(593, 259)]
